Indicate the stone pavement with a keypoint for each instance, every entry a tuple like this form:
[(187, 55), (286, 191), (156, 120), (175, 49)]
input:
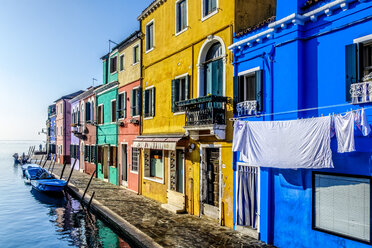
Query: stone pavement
[(164, 227)]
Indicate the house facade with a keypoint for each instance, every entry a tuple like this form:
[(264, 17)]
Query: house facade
[(186, 89), (129, 109), (51, 130), (63, 127), (107, 130), (313, 60)]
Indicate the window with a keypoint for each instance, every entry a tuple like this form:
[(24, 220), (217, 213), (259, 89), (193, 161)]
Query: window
[(180, 92), (100, 155), (88, 112), (61, 108), (100, 114), (61, 132), (150, 36), (181, 15), (366, 63), (213, 72), (113, 156), (122, 105), (135, 102), (121, 62), (113, 111), (156, 164), (136, 54), (249, 91), (113, 64), (56, 109), (135, 159), (341, 205), (92, 154), (86, 153), (209, 7), (149, 102)]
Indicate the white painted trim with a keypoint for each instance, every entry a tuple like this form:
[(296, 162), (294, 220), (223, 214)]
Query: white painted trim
[(148, 118), (363, 39), (179, 113), (106, 90), (133, 48), (150, 87), (203, 53), (182, 75), (137, 87), (131, 160), (112, 122), (113, 53), (203, 18), (152, 48), (121, 165), (249, 71), (116, 56), (103, 121), (122, 55), (176, 18)]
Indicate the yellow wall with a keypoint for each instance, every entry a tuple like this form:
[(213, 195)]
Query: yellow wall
[(174, 56), (131, 72)]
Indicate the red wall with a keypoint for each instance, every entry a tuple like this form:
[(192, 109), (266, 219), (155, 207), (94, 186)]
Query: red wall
[(90, 137)]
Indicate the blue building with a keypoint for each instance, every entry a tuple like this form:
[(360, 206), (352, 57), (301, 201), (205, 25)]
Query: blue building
[(316, 57)]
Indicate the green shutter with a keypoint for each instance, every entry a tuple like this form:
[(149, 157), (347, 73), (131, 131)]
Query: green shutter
[(153, 102), (144, 104), (351, 63), (124, 105), (187, 87), (173, 95), (259, 95), (236, 92), (132, 97), (139, 101), (87, 111)]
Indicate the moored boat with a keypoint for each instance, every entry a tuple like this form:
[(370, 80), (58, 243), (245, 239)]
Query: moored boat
[(16, 158), (49, 185), (36, 173), (26, 166)]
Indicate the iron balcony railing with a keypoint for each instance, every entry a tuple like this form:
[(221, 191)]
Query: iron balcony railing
[(246, 108), (361, 92), (206, 110)]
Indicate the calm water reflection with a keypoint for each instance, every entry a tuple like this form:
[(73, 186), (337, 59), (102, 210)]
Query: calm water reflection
[(29, 218)]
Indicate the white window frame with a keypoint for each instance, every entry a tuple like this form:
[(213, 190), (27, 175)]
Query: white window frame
[(131, 160), (150, 117), (134, 62), (122, 56), (113, 122), (203, 18), (176, 17), (136, 88), (180, 77), (153, 34), (125, 103), (161, 181)]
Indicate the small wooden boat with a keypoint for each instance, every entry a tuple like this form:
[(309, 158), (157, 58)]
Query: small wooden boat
[(36, 173), (26, 166), (49, 185)]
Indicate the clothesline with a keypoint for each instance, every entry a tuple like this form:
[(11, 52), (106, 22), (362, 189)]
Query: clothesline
[(295, 111)]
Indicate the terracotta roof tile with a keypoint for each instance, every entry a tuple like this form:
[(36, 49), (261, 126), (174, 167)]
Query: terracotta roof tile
[(257, 26)]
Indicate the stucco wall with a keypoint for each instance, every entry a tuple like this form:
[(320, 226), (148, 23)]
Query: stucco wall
[(132, 71)]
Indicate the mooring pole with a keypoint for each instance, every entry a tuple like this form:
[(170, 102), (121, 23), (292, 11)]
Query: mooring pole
[(41, 159), (86, 189), (91, 198), (72, 169), (46, 159), (53, 166), (63, 169)]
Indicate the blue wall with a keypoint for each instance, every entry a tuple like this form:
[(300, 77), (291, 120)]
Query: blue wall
[(53, 129), (304, 67)]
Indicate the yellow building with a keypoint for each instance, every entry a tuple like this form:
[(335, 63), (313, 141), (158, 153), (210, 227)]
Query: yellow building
[(187, 92)]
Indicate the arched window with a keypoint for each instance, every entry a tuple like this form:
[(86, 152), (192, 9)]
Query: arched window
[(211, 68)]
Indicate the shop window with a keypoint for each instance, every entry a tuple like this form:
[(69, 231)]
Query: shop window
[(341, 205), (154, 165), (135, 159)]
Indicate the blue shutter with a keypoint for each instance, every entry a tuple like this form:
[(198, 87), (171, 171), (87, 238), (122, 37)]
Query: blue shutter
[(87, 112), (259, 86), (124, 105), (139, 101), (175, 93), (351, 64), (132, 103), (236, 92), (187, 87), (216, 67)]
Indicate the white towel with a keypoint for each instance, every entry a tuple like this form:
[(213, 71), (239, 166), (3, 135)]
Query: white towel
[(288, 144), (344, 127), (361, 122)]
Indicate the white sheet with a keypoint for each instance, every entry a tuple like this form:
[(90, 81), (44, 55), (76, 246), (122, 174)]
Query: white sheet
[(361, 122), (344, 127), (287, 144)]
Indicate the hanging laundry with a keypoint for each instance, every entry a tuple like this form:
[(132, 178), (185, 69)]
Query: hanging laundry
[(361, 122), (344, 127), (287, 144)]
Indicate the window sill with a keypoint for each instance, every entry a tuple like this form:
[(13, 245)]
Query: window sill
[(181, 32), (147, 51), (149, 118), (135, 63), (134, 172), (209, 15), (153, 179), (111, 73), (179, 113)]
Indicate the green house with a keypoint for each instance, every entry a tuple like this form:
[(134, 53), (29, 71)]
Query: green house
[(107, 129)]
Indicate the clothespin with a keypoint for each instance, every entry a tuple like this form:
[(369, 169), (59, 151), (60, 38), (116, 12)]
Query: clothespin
[(333, 114)]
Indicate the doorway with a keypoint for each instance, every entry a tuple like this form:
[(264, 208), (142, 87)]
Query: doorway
[(210, 182), (124, 164), (106, 154)]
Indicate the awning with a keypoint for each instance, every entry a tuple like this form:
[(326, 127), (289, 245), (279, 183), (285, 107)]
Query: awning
[(157, 142)]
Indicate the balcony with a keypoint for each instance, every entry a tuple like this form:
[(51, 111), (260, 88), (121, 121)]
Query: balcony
[(205, 116), (246, 108), (361, 92)]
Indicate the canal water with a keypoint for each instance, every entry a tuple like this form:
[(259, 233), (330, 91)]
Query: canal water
[(31, 219)]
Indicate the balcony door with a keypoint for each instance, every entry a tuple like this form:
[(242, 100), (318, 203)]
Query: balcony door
[(124, 165), (106, 154), (213, 71)]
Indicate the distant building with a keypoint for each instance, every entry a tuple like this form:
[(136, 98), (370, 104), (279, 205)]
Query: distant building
[(51, 131)]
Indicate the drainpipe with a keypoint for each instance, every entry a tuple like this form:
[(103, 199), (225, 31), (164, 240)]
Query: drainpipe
[(140, 119)]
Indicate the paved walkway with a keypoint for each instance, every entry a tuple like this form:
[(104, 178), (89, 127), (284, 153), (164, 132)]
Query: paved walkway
[(165, 228)]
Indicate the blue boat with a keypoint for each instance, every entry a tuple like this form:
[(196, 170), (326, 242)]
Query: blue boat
[(36, 173), (26, 166), (49, 185)]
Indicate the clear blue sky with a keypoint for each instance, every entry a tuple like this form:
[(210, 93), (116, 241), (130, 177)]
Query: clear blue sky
[(49, 48)]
